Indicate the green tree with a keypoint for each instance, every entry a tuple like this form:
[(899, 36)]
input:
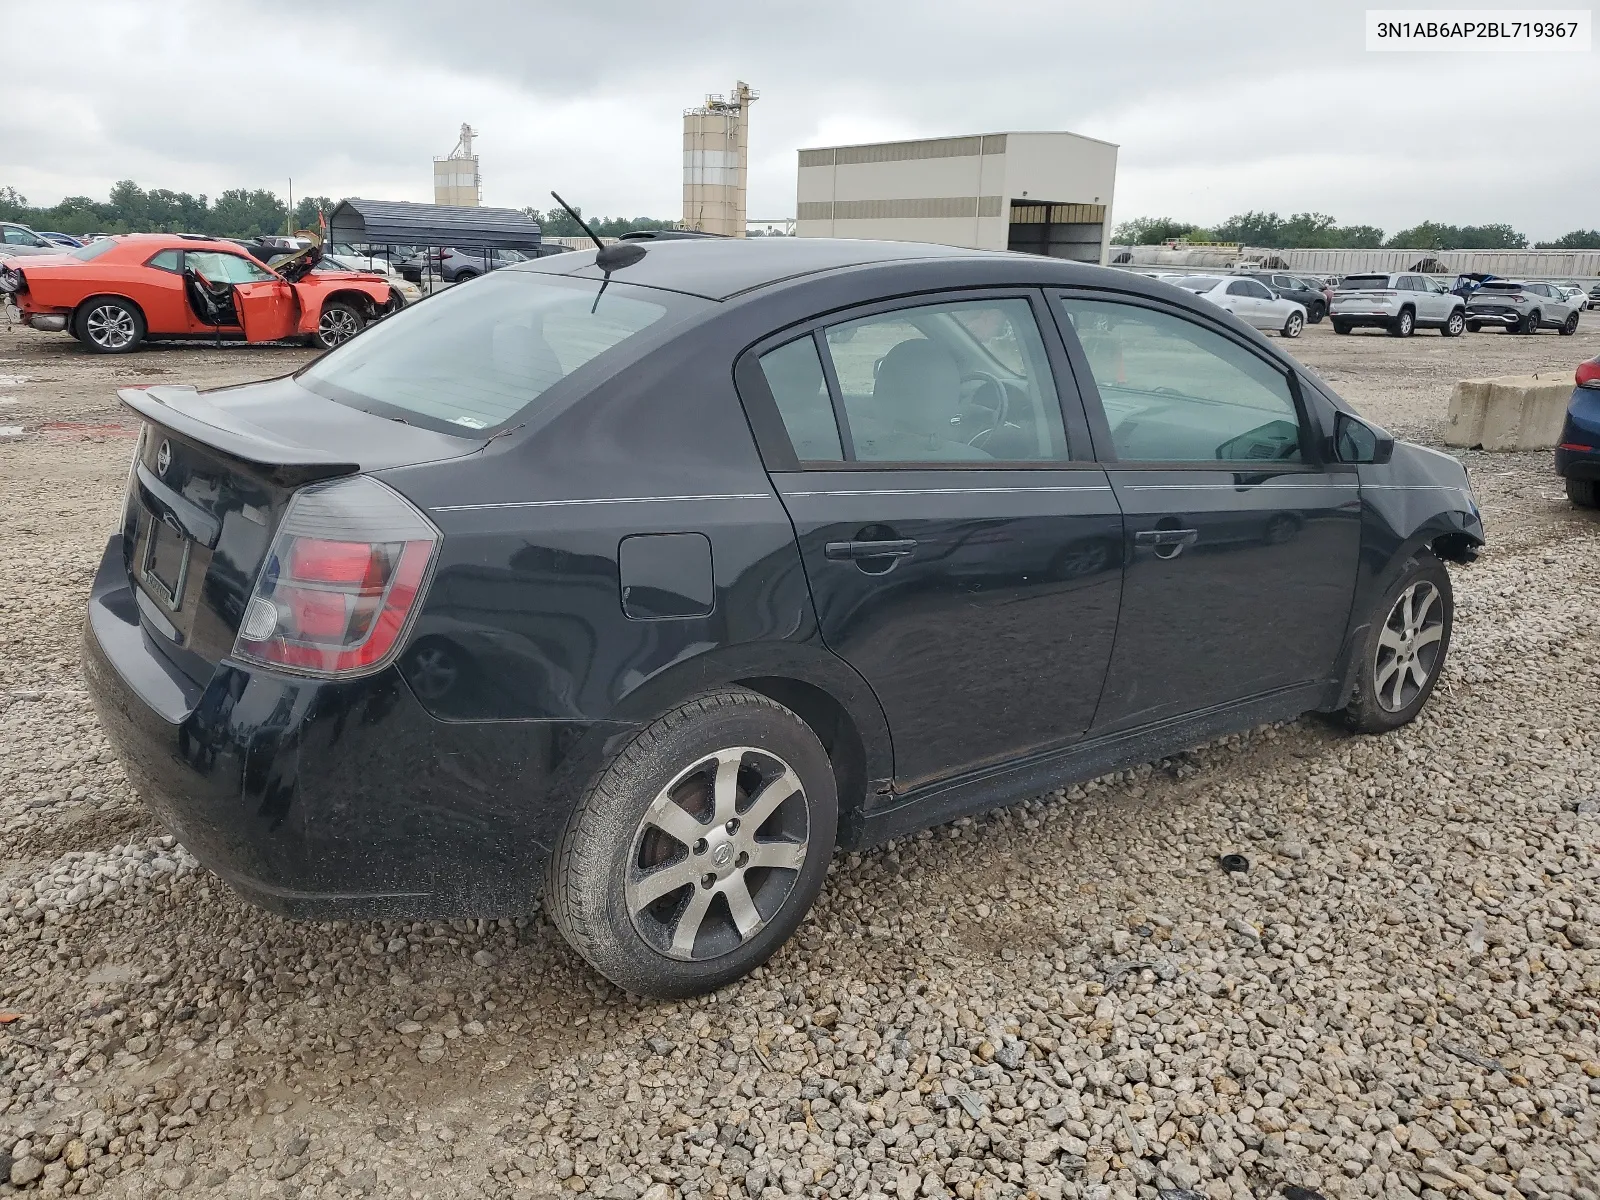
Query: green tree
[(305, 212), (1152, 231), (242, 213), (1578, 239), (1432, 235)]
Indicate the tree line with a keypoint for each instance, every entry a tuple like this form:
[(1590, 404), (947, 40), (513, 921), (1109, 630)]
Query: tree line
[(238, 213), (1318, 231)]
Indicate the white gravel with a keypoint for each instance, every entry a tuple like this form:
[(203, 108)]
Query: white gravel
[(1400, 997)]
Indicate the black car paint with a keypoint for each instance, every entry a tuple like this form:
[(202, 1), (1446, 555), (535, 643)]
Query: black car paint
[(1314, 299), (409, 793)]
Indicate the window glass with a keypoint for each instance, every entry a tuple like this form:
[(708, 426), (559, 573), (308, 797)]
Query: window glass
[(167, 260), (1198, 283), (93, 249), (1174, 391), (1241, 287), (959, 382), (21, 237), (226, 268), (1260, 291), (475, 358), (794, 376), (1284, 281)]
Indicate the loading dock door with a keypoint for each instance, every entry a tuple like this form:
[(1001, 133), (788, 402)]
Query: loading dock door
[(1072, 231)]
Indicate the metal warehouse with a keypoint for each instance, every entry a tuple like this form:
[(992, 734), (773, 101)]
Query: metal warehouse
[(1041, 192)]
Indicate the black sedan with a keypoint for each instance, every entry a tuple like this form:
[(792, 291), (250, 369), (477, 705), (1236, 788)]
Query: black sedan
[(640, 580)]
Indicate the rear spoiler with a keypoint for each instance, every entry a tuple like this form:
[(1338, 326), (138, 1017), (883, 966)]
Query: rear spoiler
[(190, 415)]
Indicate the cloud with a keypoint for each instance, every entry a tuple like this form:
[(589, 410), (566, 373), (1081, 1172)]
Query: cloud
[(1217, 108)]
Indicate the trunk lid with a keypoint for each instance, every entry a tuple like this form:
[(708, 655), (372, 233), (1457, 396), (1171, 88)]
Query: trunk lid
[(211, 479)]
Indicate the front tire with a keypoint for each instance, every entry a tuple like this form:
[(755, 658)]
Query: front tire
[(1404, 650), (698, 848), (1455, 325), (1585, 493), (110, 325), (1570, 325), (339, 323), (1404, 325), (1318, 311), (1294, 326)]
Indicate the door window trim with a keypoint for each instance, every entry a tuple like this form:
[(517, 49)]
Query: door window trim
[(1312, 435), (772, 437)]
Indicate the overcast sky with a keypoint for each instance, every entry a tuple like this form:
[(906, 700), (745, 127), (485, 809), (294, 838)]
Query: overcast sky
[(1218, 105)]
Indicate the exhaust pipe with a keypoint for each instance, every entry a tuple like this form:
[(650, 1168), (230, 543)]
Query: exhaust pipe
[(49, 322)]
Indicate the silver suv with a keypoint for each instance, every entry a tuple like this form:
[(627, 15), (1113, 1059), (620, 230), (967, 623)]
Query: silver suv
[(1522, 307), (1400, 303)]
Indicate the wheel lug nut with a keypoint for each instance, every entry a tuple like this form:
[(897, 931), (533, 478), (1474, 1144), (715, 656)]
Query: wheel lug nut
[(733, 825), (741, 860), (708, 880), (700, 846)]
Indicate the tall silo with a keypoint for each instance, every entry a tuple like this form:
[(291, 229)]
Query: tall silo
[(455, 177), (716, 153)]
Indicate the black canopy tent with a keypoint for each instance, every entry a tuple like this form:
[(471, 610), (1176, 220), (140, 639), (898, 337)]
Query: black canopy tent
[(392, 223)]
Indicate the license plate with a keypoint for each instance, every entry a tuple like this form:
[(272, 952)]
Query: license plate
[(166, 562)]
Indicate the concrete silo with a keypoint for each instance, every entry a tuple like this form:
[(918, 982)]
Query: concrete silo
[(455, 177), (716, 153)]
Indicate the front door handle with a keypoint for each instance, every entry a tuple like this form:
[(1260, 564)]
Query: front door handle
[(1168, 543), (856, 551)]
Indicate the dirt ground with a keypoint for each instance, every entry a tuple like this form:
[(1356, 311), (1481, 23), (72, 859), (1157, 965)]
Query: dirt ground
[(1401, 997)]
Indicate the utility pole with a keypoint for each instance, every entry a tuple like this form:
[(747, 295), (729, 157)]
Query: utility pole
[(289, 220)]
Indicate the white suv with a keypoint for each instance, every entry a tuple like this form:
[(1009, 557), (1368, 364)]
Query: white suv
[(1399, 303)]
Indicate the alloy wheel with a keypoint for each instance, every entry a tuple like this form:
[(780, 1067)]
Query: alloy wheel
[(337, 325), (110, 326), (1408, 646), (717, 854), (1457, 323), (1295, 325)]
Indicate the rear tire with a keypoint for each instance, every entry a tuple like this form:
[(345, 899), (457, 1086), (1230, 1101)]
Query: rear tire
[(109, 325), (463, 276), (1408, 636), (1531, 323), (1341, 326), (1473, 327), (1404, 325), (1570, 325), (1585, 493), (1455, 325), (1293, 327), (665, 835)]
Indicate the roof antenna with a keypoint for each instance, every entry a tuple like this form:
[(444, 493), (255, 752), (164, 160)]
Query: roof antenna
[(582, 224), (607, 258)]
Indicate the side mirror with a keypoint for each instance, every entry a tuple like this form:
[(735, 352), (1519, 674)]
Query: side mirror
[(1354, 441)]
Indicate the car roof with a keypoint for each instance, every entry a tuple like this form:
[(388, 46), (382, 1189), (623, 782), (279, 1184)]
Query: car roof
[(721, 268)]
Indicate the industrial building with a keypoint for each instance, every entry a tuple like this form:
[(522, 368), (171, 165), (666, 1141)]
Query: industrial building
[(455, 177), (716, 155), (1041, 192)]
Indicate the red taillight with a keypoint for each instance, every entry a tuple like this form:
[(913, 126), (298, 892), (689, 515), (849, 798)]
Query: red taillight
[(1588, 374), (1578, 446), (341, 582)]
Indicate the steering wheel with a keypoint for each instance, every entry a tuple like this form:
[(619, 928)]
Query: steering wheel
[(988, 380)]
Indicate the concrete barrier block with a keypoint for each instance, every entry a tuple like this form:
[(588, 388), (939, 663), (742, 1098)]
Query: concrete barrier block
[(1511, 412)]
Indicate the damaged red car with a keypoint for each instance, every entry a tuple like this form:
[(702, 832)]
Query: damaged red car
[(115, 294)]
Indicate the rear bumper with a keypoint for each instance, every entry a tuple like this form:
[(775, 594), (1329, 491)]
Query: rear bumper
[(327, 799), (1581, 428), (1508, 319)]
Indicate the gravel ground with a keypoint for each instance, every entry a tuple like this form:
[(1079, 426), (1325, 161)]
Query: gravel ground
[(1401, 996)]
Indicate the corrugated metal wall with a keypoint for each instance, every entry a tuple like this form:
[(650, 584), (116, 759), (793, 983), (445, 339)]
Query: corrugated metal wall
[(1562, 264)]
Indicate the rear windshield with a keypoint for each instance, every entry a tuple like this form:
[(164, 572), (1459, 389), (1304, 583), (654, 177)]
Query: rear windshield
[(1496, 285), (1353, 283), (92, 250), (474, 357), (1198, 283)]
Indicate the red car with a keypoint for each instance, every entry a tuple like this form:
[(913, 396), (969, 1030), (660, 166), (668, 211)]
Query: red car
[(115, 293)]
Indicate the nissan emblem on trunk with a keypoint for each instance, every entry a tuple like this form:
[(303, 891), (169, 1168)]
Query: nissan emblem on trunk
[(163, 459)]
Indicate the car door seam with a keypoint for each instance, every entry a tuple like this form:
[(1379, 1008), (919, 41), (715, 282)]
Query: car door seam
[(595, 500)]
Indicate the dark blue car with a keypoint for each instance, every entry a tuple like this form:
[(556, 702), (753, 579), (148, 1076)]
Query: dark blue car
[(1578, 452)]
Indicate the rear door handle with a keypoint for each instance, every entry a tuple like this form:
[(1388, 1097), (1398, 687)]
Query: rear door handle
[(855, 551)]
